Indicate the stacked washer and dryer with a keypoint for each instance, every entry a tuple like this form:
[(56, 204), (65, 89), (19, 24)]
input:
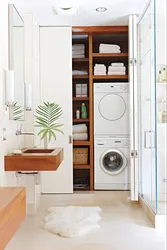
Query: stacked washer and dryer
[(111, 136)]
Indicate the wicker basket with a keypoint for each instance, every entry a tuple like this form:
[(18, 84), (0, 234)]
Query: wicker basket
[(80, 156)]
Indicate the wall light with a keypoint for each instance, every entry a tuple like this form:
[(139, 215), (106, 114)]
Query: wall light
[(9, 88), (65, 11)]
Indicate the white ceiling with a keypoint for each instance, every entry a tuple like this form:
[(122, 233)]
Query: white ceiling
[(117, 11)]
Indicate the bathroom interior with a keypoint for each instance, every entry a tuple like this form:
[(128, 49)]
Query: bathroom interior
[(52, 54)]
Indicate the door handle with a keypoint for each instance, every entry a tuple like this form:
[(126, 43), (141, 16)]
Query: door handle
[(145, 139), (70, 139)]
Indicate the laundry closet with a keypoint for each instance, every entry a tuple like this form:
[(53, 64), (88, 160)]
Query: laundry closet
[(91, 70)]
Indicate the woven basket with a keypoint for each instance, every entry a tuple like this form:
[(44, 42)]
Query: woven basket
[(80, 155)]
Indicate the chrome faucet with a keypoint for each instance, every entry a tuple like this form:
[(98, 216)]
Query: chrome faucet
[(19, 131)]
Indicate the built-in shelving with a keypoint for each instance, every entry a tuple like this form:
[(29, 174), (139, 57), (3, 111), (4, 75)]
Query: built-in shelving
[(96, 36), (80, 120), (80, 98), (80, 77), (121, 77), (110, 55), (81, 166), (81, 143)]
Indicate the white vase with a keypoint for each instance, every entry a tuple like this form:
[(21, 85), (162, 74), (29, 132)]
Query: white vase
[(47, 144)]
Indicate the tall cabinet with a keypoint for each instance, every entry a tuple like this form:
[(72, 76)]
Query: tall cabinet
[(92, 37)]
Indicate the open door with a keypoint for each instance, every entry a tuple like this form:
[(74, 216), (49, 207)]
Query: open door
[(133, 105)]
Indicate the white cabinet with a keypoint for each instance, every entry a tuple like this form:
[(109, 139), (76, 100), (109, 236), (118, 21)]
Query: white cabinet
[(56, 82)]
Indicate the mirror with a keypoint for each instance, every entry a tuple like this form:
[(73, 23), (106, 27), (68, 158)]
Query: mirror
[(16, 61)]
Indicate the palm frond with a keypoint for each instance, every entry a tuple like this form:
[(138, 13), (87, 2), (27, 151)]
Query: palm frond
[(18, 112), (46, 117)]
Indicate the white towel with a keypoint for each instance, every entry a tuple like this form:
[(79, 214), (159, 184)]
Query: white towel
[(78, 56), (78, 53), (79, 129), (119, 69), (99, 73), (117, 64), (104, 45), (80, 137), (116, 73), (79, 72), (112, 51)]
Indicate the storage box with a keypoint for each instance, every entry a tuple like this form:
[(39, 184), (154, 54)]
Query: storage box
[(84, 90), (78, 90), (80, 155)]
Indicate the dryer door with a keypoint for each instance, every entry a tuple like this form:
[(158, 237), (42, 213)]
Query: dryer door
[(112, 107), (113, 162)]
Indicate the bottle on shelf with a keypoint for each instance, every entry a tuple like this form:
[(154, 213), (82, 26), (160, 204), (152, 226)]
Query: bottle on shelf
[(160, 76), (77, 113), (83, 111)]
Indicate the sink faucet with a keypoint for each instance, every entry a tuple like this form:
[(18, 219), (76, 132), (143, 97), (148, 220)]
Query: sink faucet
[(19, 131)]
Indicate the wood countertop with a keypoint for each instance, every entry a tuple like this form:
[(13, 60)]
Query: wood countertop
[(35, 160), (12, 212)]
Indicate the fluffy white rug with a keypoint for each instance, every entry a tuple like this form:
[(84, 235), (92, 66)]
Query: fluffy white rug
[(72, 221)]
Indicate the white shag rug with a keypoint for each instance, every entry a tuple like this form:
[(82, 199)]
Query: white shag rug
[(72, 221)]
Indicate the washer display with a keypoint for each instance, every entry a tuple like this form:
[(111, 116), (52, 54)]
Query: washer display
[(111, 109), (112, 159)]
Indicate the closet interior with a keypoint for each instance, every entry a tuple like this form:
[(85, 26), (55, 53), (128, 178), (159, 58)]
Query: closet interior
[(92, 60)]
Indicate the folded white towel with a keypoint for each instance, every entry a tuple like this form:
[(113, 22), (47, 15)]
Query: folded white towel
[(80, 137), (100, 70), (109, 51), (78, 53), (78, 56), (100, 65), (99, 73), (104, 45), (78, 46), (111, 68), (116, 73), (117, 64), (80, 72), (79, 129)]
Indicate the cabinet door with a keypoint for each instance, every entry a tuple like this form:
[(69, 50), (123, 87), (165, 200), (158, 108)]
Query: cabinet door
[(56, 86)]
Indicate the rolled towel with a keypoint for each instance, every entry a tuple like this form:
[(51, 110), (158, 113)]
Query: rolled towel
[(79, 129), (80, 137), (117, 64)]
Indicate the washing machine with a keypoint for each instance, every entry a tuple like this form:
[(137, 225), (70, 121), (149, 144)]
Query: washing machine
[(111, 166), (111, 109)]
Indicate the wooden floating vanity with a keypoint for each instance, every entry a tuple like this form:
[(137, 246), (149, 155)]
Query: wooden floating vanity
[(12, 212), (34, 160)]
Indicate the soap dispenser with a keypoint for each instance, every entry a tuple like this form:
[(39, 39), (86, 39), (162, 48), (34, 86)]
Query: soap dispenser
[(83, 111)]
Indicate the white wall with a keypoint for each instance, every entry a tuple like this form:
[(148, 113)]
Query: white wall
[(12, 142)]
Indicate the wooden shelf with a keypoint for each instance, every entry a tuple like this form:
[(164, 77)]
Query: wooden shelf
[(82, 189), (96, 55), (110, 77), (81, 166), (81, 143), (80, 77), (80, 59), (80, 120), (80, 98)]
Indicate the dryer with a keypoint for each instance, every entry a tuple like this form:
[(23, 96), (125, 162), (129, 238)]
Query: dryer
[(111, 109), (111, 166)]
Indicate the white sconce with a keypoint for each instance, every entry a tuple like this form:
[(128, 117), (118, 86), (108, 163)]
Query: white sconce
[(28, 96), (9, 88)]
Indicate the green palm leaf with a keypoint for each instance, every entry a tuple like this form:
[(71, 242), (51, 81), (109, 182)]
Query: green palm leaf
[(46, 118), (18, 112)]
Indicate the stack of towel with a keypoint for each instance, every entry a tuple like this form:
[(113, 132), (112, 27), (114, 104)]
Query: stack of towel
[(100, 69), (80, 132), (78, 51), (117, 69), (109, 48), (80, 72)]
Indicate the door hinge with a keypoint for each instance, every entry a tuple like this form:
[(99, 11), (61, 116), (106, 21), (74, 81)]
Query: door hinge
[(134, 154), (70, 139), (133, 61)]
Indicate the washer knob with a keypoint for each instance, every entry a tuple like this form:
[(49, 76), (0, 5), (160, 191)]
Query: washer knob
[(125, 144)]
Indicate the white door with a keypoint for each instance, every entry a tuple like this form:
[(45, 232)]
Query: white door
[(133, 106), (56, 86)]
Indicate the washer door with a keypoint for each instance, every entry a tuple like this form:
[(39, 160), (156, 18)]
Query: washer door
[(112, 107), (113, 162)]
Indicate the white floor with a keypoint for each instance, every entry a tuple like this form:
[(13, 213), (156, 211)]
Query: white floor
[(123, 226)]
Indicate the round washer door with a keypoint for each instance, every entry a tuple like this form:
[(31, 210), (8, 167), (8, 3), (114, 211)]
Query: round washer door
[(112, 107), (113, 162)]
